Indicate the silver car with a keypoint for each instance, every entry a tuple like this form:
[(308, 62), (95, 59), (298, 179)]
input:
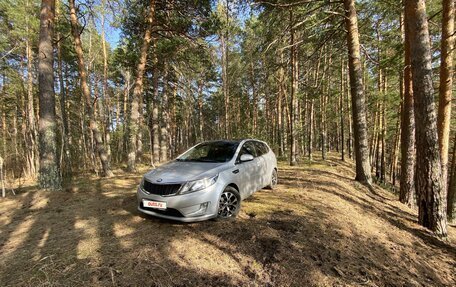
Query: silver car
[(208, 181)]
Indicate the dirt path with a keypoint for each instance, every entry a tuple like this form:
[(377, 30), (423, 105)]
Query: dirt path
[(319, 228)]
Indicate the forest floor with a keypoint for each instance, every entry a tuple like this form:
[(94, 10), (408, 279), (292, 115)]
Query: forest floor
[(318, 228)]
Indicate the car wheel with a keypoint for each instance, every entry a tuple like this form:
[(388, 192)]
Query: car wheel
[(273, 183), (229, 203)]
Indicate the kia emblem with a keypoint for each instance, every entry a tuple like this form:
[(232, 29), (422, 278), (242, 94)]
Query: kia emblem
[(159, 180)]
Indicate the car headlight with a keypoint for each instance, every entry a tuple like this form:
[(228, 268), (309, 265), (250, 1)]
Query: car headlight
[(199, 184)]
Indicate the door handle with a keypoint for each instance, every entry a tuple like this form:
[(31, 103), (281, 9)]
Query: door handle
[(236, 171)]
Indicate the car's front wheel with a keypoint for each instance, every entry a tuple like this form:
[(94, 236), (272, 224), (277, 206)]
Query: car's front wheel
[(229, 203)]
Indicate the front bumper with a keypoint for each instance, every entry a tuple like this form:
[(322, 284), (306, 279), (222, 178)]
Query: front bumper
[(191, 207)]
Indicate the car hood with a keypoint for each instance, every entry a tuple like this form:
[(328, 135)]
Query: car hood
[(178, 171)]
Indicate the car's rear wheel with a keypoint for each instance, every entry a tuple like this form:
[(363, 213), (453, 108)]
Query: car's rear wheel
[(274, 179), (229, 203)]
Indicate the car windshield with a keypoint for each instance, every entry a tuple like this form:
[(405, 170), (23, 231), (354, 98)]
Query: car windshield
[(220, 151)]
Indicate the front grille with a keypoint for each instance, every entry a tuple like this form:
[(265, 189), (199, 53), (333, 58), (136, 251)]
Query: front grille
[(161, 189), (169, 211)]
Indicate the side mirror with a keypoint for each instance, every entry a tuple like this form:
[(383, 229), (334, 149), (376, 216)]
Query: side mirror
[(246, 157)]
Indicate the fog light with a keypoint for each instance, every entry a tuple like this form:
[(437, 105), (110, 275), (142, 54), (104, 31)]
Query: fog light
[(203, 207)]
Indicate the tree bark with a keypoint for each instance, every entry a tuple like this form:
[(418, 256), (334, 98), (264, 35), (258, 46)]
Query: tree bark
[(446, 86), (429, 182), (133, 129), (49, 173), (408, 156), (358, 98), (86, 91)]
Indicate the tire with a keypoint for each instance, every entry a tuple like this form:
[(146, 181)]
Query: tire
[(229, 204), (274, 177)]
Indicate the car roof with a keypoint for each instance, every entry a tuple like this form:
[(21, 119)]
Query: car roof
[(234, 140)]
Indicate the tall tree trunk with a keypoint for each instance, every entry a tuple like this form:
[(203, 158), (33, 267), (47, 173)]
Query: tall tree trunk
[(350, 122), (65, 128), (280, 122), (293, 95), (446, 86), (126, 111), (31, 124), (394, 153), (165, 119), (133, 128), (32, 134), (86, 91), (383, 133), (374, 141), (358, 98), (154, 110), (4, 124), (2, 179), (49, 174), (311, 129), (429, 182), (341, 110), (408, 157), (254, 100), (106, 118), (451, 208), (200, 109), (226, 94)]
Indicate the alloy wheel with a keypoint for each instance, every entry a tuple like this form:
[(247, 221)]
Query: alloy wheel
[(228, 204)]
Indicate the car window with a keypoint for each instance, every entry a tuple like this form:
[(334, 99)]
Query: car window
[(247, 148), (261, 148), (266, 148)]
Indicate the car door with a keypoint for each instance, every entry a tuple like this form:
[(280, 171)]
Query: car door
[(249, 171), (261, 151)]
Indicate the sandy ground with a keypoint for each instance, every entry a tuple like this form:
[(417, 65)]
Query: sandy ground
[(318, 228)]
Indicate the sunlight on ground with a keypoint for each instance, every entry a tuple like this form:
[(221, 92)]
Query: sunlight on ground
[(204, 257), (122, 230), (90, 243)]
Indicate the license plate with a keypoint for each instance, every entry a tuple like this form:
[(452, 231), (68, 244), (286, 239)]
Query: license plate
[(154, 204)]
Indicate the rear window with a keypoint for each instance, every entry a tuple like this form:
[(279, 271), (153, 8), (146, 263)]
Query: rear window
[(261, 148)]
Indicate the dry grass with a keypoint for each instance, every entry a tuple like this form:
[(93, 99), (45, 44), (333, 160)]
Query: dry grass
[(319, 228)]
